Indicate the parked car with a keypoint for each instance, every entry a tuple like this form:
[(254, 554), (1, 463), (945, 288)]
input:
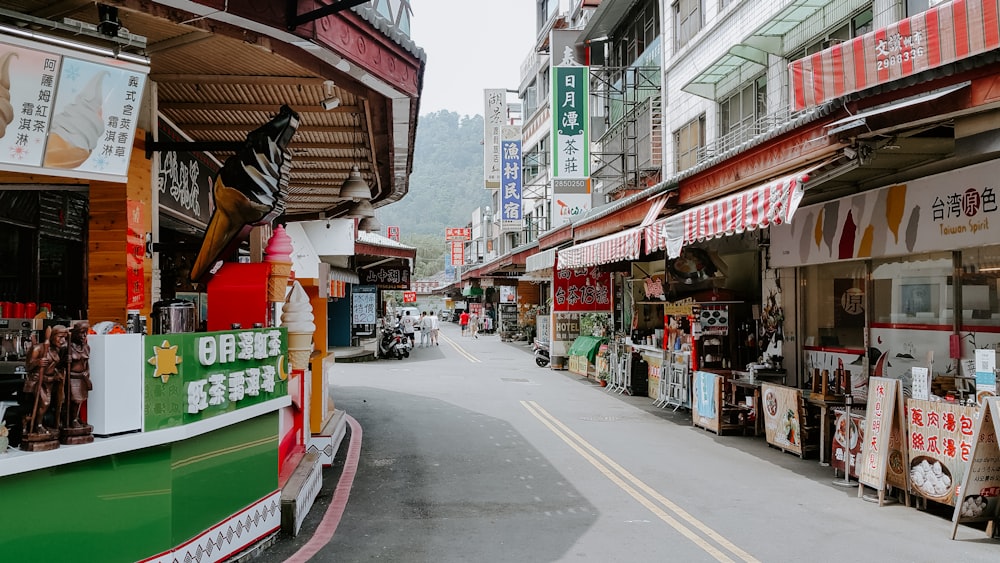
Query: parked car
[(414, 312)]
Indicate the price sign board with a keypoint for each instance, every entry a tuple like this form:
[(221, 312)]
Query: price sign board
[(980, 490)]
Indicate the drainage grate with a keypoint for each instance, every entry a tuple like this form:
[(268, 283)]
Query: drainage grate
[(514, 379)]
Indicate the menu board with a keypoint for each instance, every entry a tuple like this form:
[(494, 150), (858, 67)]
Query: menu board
[(884, 450), (363, 306), (782, 408), (980, 488), (940, 444), (69, 113), (847, 446)]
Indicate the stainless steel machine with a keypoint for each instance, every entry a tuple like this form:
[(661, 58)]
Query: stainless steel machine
[(17, 336)]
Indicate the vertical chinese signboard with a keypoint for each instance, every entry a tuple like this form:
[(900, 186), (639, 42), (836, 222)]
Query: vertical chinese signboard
[(883, 453), (195, 376), (393, 233), (71, 114), (493, 121), (980, 488), (940, 443), (134, 260), (510, 194), (570, 138)]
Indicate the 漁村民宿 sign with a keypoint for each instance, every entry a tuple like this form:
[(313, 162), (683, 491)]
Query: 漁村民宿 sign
[(190, 377)]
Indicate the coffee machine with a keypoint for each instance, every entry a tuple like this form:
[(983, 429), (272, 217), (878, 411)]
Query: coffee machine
[(17, 336)]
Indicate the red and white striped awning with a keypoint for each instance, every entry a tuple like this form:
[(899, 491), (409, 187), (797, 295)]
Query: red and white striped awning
[(773, 203), (616, 247)]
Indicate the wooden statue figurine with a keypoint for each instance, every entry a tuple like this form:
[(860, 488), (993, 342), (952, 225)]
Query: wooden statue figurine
[(46, 372), (74, 431)]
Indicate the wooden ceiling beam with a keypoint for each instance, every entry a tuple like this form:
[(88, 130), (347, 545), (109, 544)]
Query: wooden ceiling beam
[(175, 78), (247, 127), (270, 108)]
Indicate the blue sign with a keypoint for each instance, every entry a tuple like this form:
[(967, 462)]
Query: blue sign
[(510, 203)]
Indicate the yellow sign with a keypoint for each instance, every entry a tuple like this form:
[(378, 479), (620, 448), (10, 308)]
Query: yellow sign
[(682, 307)]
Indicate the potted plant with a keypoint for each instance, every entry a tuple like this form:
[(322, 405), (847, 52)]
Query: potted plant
[(602, 378)]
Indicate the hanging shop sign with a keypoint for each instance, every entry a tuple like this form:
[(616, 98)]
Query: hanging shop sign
[(570, 138), (510, 193), (392, 232), (184, 179), (386, 277), (409, 297), (67, 113), (495, 118), (135, 248), (364, 307), (957, 209), (457, 234), (585, 289), (941, 437), (192, 377), (949, 32), (980, 490)]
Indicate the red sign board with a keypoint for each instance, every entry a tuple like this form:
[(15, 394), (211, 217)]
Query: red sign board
[(457, 253), (457, 235), (409, 297), (135, 243), (393, 233), (584, 289)]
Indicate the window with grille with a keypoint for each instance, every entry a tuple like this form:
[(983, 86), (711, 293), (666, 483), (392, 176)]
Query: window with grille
[(740, 112)]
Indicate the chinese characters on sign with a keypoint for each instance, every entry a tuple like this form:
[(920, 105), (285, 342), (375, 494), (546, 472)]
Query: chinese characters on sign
[(135, 277), (585, 289), (457, 234), (387, 277), (201, 375), (510, 195), (940, 443), (72, 114), (363, 307), (980, 486), (393, 233), (884, 451), (494, 119)]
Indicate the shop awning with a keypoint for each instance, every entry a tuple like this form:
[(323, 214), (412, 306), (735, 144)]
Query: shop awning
[(540, 260), (772, 203), (616, 247), (343, 275)]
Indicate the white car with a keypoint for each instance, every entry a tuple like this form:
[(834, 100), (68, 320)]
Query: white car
[(414, 312)]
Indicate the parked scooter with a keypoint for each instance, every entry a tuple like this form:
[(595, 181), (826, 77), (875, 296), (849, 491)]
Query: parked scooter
[(541, 351), (393, 343)]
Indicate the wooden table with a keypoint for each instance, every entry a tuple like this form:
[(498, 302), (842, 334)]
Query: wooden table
[(741, 389), (825, 420)]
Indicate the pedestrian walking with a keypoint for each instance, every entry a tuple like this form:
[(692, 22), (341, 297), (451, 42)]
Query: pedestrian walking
[(463, 321), (407, 323), (425, 330), (474, 324), (435, 327)]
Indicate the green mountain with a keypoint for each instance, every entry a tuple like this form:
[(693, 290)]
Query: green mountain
[(445, 187)]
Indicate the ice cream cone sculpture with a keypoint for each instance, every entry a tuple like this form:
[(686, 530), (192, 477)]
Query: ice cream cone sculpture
[(249, 190), (77, 128), (297, 316), (6, 109), (279, 256)]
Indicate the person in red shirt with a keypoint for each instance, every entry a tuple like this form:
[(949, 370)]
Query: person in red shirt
[(463, 321)]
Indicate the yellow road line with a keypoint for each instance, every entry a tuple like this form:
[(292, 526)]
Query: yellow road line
[(458, 348), (567, 436)]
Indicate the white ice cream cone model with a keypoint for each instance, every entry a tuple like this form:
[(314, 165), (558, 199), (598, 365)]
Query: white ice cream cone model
[(279, 250), (297, 317)]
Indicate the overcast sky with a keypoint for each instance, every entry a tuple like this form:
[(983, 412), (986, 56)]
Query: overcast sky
[(471, 45)]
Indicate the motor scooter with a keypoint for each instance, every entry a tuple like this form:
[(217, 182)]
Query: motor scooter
[(393, 343), (541, 351)]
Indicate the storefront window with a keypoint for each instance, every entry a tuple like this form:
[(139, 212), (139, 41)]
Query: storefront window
[(833, 299), (913, 289), (980, 285)]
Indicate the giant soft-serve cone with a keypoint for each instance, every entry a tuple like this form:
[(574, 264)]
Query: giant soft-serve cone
[(297, 316), (249, 190)]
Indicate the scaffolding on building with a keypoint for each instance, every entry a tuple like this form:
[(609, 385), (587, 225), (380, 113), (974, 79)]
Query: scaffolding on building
[(628, 128)]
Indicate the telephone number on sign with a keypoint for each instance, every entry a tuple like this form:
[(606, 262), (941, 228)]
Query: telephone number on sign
[(899, 58)]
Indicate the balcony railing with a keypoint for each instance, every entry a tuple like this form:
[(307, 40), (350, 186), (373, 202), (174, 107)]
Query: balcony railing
[(743, 136)]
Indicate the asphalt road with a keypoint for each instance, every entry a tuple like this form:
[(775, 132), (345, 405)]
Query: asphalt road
[(471, 453)]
